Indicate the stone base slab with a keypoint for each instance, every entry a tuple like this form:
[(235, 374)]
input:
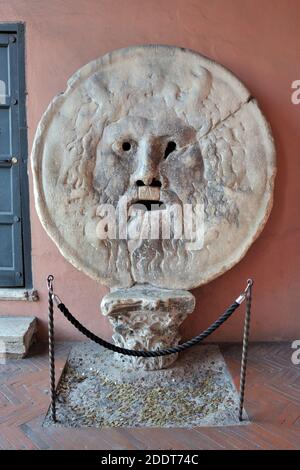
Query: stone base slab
[(98, 391)]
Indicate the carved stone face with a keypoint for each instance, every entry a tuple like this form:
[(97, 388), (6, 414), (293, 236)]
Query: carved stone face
[(137, 153), (161, 125)]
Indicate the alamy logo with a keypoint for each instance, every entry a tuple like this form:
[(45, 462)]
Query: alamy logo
[(296, 354), (152, 220), (295, 97), (3, 351)]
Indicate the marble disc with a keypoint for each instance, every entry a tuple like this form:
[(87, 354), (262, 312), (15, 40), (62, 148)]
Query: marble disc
[(162, 124)]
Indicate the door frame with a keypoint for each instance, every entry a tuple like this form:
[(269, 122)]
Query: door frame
[(19, 29)]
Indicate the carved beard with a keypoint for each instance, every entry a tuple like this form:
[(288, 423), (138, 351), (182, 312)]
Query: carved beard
[(147, 258), (144, 255)]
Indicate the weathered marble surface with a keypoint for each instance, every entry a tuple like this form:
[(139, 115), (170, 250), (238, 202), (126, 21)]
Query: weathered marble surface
[(147, 318), (150, 96)]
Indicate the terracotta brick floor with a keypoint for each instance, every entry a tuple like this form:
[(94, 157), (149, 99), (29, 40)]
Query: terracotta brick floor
[(272, 403)]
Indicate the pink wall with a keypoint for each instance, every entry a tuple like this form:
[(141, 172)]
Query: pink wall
[(259, 40)]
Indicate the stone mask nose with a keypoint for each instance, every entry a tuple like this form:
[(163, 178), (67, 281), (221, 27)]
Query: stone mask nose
[(147, 172)]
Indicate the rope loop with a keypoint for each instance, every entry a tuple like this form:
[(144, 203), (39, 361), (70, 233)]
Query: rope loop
[(152, 353)]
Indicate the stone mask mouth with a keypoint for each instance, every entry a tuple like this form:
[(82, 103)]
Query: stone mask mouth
[(149, 197), (149, 194), (148, 204)]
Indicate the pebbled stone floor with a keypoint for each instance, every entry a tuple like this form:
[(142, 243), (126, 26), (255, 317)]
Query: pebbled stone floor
[(96, 390)]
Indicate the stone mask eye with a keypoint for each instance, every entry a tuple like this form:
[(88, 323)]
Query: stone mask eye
[(171, 146), (122, 147), (126, 146)]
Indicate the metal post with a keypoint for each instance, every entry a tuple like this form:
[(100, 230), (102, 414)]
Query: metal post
[(51, 347), (248, 293)]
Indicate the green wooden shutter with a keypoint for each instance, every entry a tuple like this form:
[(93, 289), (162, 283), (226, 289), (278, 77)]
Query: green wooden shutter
[(11, 243)]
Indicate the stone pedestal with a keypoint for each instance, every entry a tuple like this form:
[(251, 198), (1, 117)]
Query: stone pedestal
[(145, 317)]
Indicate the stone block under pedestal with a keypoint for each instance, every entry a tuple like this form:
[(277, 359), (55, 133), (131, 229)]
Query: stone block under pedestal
[(97, 391), (16, 336)]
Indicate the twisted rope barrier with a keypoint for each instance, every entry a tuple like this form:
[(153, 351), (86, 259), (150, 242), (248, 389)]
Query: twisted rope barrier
[(153, 353), (246, 294)]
